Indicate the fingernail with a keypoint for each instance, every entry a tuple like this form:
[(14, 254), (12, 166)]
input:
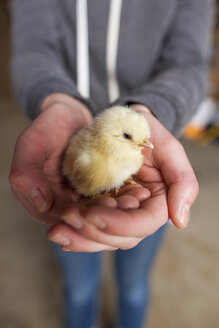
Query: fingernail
[(65, 249), (184, 215), (170, 222), (73, 220), (97, 222), (60, 239), (38, 200)]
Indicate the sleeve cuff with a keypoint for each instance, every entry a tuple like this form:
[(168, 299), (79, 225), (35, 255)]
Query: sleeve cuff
[(46, 88), (158, 105)]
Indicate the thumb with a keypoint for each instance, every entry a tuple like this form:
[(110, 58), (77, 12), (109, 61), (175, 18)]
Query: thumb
[(183, 185), (181, 196), (27, 178), (34, 186)]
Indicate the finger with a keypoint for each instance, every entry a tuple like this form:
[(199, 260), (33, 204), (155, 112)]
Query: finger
[(139, 193), (127, 202), (183, 185), (71, 240), (73, 195), (152, 214), (149, 174), (35, 187), (135, 190), (102, 200), (181, 196), (91, 232)]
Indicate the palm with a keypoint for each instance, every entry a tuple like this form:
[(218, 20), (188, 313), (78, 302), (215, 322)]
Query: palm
[(64, 196), (126, 225), (149, 181), (150, 176)]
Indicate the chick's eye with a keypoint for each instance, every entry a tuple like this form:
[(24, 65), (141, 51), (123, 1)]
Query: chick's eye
[(127, 136)]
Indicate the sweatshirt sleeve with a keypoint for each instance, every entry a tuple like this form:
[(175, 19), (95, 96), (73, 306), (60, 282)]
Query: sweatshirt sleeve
[(179, 82), (38, 65)]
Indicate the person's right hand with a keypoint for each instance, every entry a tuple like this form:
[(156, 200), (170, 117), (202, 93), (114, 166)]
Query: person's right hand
[(35, 176)]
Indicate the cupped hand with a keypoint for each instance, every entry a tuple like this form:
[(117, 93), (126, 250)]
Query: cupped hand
[(36, 176), (168, 176)]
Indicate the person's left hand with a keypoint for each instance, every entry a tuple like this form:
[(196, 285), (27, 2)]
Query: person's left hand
[(166, 174)]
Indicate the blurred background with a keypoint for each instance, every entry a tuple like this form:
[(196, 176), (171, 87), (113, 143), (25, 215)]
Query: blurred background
[(185, 279)]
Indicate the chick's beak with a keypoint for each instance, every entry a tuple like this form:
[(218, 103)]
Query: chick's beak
[(146, 143)]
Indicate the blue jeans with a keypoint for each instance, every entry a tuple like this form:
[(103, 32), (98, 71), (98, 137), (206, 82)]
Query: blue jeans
[(82, 271)]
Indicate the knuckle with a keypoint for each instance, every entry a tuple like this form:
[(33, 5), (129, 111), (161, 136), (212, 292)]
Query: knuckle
[(175, 144), (67, 249), (130, 244), (76, 248), (195, 186), (73, 246), (124, 248), (15, 181), (21, 138)]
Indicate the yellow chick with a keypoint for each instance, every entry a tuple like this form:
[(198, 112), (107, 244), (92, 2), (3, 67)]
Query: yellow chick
[(103, 156)]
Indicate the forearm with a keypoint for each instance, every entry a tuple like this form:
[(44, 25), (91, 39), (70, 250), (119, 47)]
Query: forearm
[(174, 95), (179, 79), (38, 66)]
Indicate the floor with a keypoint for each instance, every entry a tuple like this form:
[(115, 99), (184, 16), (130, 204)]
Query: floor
[(185, 280)]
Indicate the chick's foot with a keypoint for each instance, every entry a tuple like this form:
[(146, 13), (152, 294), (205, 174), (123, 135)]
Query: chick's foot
[(130, 181)]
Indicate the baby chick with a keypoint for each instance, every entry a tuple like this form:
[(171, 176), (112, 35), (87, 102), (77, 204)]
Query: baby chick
[(102, 156)]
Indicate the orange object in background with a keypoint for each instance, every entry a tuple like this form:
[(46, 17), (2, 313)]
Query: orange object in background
[(197, 126), (193, 132)]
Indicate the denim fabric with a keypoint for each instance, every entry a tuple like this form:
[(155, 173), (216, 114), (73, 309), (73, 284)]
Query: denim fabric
[(132, 271), (81, 274)]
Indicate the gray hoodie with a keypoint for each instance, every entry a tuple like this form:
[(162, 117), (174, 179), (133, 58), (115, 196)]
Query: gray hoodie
[(103, 52)]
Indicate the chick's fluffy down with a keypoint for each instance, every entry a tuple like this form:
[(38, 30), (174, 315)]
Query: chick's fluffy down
[(101, 157)]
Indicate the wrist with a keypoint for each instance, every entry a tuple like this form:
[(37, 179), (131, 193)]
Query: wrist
[(141, 109), (69, 104)]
